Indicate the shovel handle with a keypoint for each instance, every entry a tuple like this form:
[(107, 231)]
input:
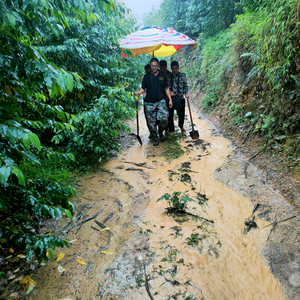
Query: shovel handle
[(188, 102), (137, 115)]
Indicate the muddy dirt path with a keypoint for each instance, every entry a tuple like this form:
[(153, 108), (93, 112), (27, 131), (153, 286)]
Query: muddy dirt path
[(136, 250)]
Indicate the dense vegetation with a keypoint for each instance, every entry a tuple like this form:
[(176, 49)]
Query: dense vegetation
[(252, 45), (65, 91)]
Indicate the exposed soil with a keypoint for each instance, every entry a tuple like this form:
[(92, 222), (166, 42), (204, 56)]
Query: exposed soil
[(134, 249)]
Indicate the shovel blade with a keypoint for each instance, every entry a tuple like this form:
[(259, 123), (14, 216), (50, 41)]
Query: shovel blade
[(194, 134)]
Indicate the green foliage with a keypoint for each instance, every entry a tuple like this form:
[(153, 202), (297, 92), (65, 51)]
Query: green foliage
[(266, 39), (153, 17), (65, 90), (98, 127), (211, 65), (177, 200), (199, 17)]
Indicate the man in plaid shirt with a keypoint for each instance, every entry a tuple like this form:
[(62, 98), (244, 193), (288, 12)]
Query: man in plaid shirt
[(178, 86)]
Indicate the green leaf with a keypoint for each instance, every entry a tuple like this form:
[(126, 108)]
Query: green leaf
[(19, 175), (45, 3), (51, 253), (107, 8), (4, 174), (13, 134), (68, 79), (69, 215), (11, 19), (94, 17), (34, 139), (82, 14), (26, 140)]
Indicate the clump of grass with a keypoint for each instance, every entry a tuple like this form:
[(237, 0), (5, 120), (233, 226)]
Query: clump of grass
[(173, 148)]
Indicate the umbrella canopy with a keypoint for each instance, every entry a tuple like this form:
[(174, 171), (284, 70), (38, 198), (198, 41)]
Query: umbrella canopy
[(161, 41)]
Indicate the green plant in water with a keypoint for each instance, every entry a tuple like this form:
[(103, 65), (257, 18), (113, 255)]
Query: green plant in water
[(181, 220), (173, 148), (177, 200), (195, 238), (171, 256), (139, 281)]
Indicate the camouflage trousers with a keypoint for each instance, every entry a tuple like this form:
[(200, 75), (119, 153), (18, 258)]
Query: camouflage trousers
[(157, 115)]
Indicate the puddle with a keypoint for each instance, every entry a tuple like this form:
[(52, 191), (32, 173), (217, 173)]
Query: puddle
[(184, 257)]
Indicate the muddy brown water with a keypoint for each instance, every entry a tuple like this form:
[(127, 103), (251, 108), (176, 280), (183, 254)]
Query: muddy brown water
[(221, 263)]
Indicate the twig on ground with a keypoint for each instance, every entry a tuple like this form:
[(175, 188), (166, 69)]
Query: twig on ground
[(147, 284), (85, 220), (275, 223), (263, 149), (174, 210), (250, 130), (144, 165), (101, 225)]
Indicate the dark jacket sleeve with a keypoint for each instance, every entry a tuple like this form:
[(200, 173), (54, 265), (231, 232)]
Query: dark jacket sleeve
[(185, 87)]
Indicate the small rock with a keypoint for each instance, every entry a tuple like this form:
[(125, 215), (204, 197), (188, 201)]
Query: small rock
[(295, 279)]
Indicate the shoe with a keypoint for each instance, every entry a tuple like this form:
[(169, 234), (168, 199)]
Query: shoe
[(182, 130), (156, 141), (151, 136), (161, 136)]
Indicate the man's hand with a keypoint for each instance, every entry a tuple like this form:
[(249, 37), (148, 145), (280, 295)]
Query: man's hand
[(187, 96), (137, 94), (172, 94), (170, 104)]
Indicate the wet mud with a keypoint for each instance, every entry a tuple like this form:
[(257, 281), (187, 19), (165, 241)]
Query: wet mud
[(136, 249)]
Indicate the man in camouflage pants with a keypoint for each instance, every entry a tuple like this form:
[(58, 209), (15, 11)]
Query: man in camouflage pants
[(155, 105), (178, 86)]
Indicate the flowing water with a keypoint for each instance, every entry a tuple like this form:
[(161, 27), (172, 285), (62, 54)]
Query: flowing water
[(185, 257)]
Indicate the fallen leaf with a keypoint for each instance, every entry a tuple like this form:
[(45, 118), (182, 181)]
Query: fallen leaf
[(18, 278), (43, 264), (11, 250), (15, 271), (107, 252), (8, 256), (61, 269), (30, 288), (21, 256), (13, 295), (23, 281), (50, 253), (29, 280), (60, 256), (72, 241), (3, 241), (5, 293), (106, 228), (80, 261), (11, 277)]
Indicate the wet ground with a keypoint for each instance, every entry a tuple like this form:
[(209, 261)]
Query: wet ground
[(135, 249)]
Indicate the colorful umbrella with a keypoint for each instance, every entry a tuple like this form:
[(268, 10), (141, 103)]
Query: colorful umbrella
[(161, 41)]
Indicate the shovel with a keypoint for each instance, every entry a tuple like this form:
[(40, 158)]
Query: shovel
[(194, 133), (137, 121)]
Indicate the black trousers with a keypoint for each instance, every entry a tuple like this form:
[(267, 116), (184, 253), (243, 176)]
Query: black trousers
[(181, 115)]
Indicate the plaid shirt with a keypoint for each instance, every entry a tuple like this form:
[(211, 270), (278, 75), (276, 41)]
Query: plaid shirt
[(183, 86)]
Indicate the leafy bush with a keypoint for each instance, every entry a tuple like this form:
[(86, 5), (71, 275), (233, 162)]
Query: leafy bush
[(62, 80), (211, 65)]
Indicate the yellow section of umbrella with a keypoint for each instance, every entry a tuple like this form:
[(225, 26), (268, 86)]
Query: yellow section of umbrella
[(164, 51)]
